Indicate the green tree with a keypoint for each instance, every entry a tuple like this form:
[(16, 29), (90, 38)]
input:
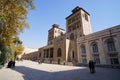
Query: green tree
[(18, 47), (13, 14)]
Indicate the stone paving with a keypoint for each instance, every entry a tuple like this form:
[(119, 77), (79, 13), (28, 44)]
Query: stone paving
[(28, 70)]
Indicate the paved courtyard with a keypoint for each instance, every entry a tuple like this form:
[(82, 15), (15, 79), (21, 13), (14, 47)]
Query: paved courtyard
[(28, 70)]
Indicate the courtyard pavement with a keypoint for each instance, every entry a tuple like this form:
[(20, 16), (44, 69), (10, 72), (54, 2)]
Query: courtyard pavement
[(29, 70)]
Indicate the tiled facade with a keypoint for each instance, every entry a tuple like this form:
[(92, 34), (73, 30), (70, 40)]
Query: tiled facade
[(78, 44)]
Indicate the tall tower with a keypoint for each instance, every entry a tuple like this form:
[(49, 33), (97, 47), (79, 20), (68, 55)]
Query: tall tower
[(54, 32), (78, 23)]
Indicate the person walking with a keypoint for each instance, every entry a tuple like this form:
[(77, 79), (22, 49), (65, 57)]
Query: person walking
[(92, 66), (13, 64)]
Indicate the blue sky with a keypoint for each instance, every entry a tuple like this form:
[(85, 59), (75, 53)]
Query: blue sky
[(103, 14)]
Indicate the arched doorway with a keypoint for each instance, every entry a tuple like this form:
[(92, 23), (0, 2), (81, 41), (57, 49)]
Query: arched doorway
[(59, 52), (58, 61)]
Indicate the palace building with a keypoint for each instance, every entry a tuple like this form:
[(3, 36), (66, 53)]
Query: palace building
[(78, 44)]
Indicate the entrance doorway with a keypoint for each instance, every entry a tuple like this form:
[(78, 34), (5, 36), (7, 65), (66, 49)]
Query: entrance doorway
[(58, 61)]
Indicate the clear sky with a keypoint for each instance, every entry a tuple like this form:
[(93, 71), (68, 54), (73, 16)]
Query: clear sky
[(103, 14)]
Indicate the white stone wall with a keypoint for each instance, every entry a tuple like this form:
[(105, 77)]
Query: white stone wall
[(86, 25), (100, 38)]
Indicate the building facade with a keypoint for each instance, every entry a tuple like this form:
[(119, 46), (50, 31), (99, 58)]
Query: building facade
[(103, 47), (78, 44), (31, 56)]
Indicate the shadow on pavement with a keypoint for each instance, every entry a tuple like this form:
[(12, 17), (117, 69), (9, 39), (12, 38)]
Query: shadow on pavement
[(77, 74)]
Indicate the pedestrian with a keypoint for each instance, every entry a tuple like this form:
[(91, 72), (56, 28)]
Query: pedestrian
[(10, 63), (13, 64), (92, 66)]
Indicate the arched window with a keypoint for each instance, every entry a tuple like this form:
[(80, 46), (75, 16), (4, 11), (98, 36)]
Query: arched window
[(59, 52), (97, 60), (51, 52), (83, 49), (84, 60), (71, 36), (110, 45), (94, 48)]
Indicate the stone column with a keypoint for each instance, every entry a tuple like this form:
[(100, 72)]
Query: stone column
[(102, 54), (78, 53), (88, 52), (117, 45), (49, 53)]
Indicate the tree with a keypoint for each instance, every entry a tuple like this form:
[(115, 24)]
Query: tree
[(13, 14), (6, 52), (18, 47)]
